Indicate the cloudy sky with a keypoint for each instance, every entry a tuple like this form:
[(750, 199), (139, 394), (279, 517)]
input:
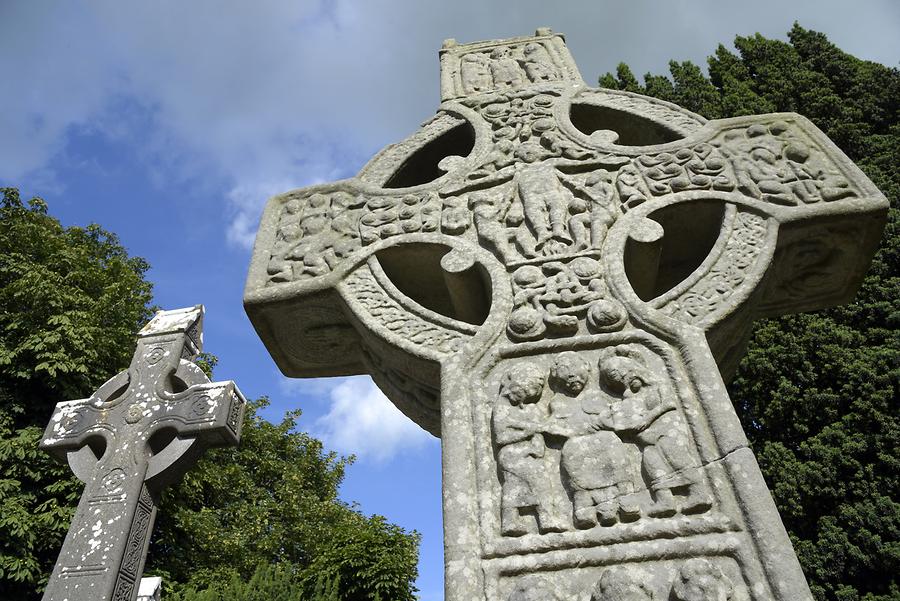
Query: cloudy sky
[(170, 123)]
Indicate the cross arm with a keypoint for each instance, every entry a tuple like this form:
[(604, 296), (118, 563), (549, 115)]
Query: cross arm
[(774, 216), (74, 424), (210, 412)]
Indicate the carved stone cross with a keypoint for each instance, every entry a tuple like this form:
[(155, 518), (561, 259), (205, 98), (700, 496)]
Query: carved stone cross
[(555, 279), (138, 433)]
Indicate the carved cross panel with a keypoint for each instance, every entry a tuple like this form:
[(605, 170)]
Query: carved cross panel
[(138, 433), (556, 279)]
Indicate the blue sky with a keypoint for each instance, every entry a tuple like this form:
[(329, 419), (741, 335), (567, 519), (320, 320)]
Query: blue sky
[(170, 123)]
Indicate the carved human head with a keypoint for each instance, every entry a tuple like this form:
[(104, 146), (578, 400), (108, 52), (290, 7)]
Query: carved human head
[(623, 370), (313, 224), (599, 176), (531, 48), (523, 383), (500, 52), (570, 373), (621, 584), (529, 152), (701, 580)]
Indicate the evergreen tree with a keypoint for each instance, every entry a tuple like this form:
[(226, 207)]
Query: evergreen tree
[(817, 393)]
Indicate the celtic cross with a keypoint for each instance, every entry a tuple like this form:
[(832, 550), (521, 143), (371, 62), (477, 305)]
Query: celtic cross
[(139, 432), (557, 280)]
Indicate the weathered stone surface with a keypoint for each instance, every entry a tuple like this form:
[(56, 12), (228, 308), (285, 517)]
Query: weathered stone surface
[(555, 279), (138, 433)]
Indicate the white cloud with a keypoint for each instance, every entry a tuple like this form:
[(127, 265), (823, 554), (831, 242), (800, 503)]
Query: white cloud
[(245, 201), (253, 98), (362, 421), (317, 389)]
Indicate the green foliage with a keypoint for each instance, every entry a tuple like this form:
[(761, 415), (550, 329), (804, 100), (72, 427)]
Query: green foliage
[(274, 500), (818, 393), (268, 583), (71, 301)]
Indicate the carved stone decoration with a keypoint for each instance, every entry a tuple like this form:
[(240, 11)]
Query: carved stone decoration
[(556, 280), (699, 580), (151, 434), (621, 584)]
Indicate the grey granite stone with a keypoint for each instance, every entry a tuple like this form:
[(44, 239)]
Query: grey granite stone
[(138, 433), (558, 280)]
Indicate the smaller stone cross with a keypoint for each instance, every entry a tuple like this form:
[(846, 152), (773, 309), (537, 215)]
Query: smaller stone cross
[(139, 432)]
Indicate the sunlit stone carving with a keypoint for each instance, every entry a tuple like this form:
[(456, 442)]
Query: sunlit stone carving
[(556, 279)]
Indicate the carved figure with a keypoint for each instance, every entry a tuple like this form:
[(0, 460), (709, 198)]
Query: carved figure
[(591, 219), (475, 73), (309, 253), (559, 145), (519, 421), (569, 373), (345, 213), (500, 156), (621, 583), (628, 185), (287, 235), (487, 216), (644, 410), (594, 459), (545, 203), (538, 66), (757, 169), (701, 580), (505, 69)]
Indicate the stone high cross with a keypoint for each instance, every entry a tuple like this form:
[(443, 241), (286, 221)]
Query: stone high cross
[(139, 432), (555, 280)]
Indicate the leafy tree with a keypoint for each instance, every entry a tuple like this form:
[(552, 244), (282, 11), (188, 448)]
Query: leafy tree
[(817, 393), (268, 583), (274, 499), (71, 300)]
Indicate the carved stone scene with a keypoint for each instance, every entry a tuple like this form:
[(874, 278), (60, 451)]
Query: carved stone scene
[(607, 426), (557, 281), (676, 580)]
